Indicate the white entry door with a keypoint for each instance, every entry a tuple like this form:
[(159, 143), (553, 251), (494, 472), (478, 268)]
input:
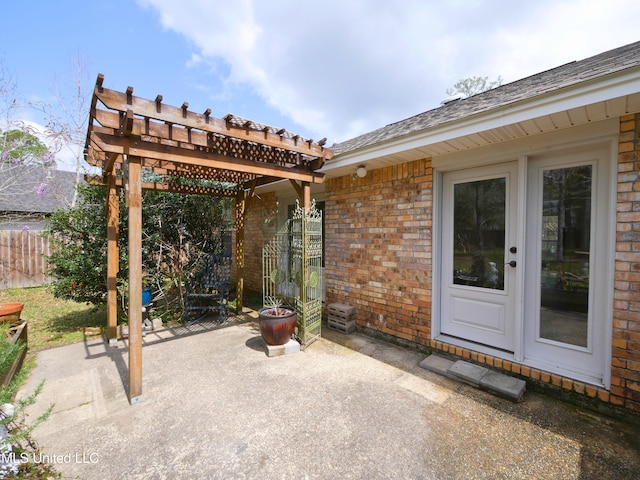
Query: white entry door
[(480, 255), (568, 267)]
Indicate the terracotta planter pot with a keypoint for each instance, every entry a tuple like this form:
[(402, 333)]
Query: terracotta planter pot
[(10, 312), (277, 324)]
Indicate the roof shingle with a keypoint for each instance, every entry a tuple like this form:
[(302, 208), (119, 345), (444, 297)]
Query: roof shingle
[(527, 88), (18, 193)]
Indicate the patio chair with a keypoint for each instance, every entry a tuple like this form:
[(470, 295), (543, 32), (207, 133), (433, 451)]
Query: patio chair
[(209, 289)]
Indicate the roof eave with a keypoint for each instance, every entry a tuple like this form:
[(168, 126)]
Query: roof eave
[(621, 84)]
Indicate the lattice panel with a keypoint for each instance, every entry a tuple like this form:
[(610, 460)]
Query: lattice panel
[(233, 147)]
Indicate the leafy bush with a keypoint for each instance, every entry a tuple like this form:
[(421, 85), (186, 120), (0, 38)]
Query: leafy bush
[(78, 239), (177, 230)]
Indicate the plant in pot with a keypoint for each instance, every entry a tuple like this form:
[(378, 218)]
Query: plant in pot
[(277, 324)]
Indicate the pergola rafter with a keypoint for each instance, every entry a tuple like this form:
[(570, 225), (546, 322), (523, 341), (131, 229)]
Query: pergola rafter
[(122, 124), (145, 144)]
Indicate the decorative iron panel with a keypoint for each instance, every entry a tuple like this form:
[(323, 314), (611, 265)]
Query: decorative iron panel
[(292, 271)]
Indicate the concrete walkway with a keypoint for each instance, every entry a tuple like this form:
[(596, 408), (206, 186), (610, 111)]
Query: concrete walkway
[(348, 407)]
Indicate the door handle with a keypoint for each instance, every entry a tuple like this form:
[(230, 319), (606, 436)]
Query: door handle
[(512, 263)]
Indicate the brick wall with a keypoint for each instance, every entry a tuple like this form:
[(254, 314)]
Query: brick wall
[(378, 243), (378, 259), (625, 362), (256, 229), (378, 248)]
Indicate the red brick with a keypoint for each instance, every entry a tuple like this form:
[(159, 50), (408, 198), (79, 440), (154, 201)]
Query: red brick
[(591, 391), (615, 400), (631, 405), (603, 395)]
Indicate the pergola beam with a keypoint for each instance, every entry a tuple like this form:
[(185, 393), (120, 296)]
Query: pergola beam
[(137, 147), (122, 102), (119, 123)]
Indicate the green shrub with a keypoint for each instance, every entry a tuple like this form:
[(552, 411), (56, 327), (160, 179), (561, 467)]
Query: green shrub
[(18, 431), (176, 231)]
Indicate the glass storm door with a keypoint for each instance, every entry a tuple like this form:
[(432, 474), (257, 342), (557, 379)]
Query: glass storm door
[(479, 255), (567, 241)]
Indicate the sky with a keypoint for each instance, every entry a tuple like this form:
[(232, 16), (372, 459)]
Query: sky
[(331, 68)]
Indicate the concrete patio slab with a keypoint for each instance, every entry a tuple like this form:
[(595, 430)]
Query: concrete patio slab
[(214, 405)]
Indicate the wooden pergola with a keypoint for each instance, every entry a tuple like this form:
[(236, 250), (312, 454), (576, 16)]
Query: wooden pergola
[(144, 144)]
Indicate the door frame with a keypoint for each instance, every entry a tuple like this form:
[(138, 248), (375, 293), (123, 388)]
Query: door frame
[(593, 136), (506, 300), (543, 353)]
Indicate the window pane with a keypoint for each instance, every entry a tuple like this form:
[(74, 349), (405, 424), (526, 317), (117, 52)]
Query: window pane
[(479, 230), (566, 242)]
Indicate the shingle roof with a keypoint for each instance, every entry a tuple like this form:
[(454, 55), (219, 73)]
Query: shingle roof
[(21, 196), (552, 80)]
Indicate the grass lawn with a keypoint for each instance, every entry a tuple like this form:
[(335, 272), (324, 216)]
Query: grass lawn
[(54, 322)]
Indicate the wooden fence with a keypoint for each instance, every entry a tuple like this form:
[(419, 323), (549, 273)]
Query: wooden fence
[(22, 259)]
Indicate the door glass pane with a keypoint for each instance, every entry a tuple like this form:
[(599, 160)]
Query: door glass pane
[(478, 231), (566, 243)]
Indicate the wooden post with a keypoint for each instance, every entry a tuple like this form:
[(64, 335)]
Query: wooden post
[(241, 204), (135, 279), (304, 193), (306, 196), (112, 258)]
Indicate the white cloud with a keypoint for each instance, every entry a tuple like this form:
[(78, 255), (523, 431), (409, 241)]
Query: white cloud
[(342, 68)]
